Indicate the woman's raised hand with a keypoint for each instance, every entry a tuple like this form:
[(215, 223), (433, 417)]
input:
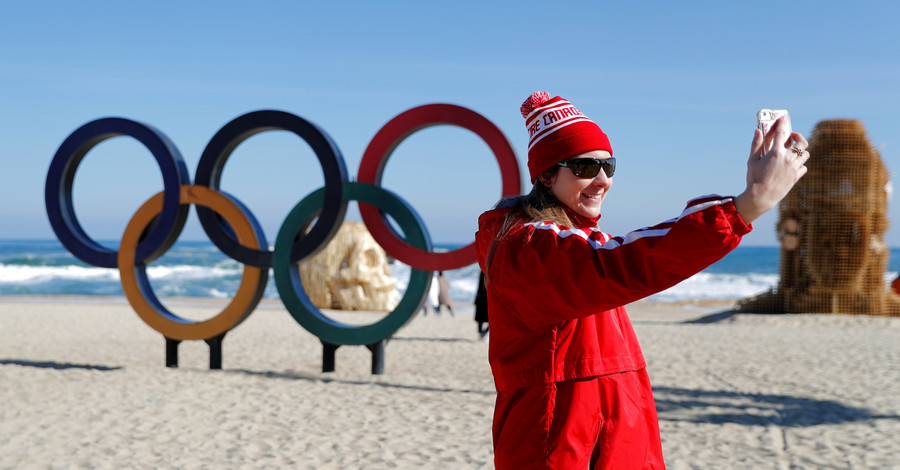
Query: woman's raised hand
[(772, 174)]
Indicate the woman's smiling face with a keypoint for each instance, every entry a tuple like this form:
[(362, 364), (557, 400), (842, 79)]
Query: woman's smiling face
[(582, 195)]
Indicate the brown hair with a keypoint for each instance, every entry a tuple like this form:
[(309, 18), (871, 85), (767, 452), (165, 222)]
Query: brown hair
[(537, 206)]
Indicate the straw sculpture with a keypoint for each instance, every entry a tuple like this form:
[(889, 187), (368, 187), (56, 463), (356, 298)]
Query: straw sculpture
[(350, 273), (831, 227)]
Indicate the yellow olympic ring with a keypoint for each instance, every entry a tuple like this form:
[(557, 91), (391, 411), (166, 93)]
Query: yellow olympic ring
[(145, 302)]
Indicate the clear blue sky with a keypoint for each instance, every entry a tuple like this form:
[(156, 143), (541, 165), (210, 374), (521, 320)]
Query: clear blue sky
[(675, 85)]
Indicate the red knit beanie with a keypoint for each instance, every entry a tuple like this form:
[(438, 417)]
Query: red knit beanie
[(557, 131)]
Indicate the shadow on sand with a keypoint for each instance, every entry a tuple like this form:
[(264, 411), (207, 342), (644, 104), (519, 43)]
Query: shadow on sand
[(54, 365), (754, 409)]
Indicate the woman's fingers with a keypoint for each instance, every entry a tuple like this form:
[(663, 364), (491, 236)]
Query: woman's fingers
[(756, 146), (781, 133), (799, 141)]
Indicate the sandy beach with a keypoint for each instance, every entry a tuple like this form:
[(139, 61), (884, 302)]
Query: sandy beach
[(83, 385)]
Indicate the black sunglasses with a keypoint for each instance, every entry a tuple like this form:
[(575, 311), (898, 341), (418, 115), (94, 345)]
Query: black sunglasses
[(590, 167)]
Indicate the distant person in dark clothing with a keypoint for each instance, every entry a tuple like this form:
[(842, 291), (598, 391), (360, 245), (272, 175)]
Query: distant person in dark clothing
[(481, 308)]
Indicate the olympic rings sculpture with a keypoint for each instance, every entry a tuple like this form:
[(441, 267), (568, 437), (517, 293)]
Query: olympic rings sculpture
[(232, 227)]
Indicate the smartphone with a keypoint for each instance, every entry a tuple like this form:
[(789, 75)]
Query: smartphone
[(765, 119)]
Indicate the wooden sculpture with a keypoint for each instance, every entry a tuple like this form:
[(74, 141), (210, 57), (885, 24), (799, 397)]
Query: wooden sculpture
[(831, 227), (350, 273)]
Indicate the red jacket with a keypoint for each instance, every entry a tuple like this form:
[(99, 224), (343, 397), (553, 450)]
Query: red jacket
[(555, 294)]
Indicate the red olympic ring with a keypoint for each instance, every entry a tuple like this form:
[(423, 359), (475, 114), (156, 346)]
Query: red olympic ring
[(382, 146)]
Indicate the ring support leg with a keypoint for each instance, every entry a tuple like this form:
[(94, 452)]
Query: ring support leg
[(215, 351), (377, 349), (328, 352), (172, 352)]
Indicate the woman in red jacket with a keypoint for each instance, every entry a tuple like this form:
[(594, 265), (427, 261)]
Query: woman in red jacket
[(572, 390)]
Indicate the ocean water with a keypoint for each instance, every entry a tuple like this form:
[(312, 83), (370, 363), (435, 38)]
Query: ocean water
[(199, 269)]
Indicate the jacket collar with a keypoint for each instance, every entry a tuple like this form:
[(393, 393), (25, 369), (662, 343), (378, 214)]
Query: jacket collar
[(580, 221)]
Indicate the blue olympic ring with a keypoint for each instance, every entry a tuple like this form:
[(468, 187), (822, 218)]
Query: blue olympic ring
[(58, 190)]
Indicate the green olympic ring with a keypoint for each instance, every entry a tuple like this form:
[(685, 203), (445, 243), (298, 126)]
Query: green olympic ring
[(294, 297)]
